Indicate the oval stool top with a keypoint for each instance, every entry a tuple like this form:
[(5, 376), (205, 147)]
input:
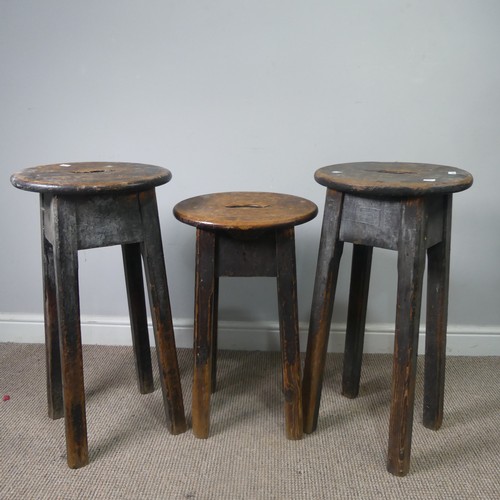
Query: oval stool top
[(90, 178), (244, 211), (393, 179)]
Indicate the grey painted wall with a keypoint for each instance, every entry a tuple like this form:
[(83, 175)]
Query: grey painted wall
[(252, 95)]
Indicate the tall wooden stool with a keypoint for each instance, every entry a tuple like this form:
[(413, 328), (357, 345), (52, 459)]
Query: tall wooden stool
[(91, 205), (245, 234), (399, 206)]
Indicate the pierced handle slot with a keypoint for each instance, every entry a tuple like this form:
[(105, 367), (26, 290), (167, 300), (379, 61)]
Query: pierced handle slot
[(248, 205)]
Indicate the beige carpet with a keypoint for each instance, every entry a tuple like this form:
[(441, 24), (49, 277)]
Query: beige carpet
[(133, 456)]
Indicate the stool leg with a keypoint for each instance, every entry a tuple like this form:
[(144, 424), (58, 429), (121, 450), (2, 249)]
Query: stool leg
[(156, 278), (411, 264), (68, 306), (289, 331), (330, 252), (215, 315), (138, 317), (203, 331), (52, 349), (356, 319), (437, 318)]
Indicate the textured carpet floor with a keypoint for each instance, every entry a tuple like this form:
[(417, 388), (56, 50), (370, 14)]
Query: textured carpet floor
[(247, 456)]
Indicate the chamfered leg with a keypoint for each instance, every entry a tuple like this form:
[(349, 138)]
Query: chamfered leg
[(411, 264), (52, 349), (156, 279), (289, 331), (437, 319), (203, 330), (356, 319), (138, 317), (68, 306), (330, 252)]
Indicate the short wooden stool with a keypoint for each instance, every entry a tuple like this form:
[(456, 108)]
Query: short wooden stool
[(245, 234), (399, 206), (90, 205)]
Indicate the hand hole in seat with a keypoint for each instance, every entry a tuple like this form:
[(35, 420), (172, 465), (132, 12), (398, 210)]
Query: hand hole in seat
[(248, 205), (88, 171), (399, 172)]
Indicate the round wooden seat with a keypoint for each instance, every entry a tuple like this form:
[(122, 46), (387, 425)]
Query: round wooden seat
[(244, 211), (393, 179), (90, 178)]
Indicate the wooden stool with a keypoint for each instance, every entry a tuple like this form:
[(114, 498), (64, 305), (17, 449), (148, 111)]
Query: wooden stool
[(244, 234), (404, 207), (90, 205)]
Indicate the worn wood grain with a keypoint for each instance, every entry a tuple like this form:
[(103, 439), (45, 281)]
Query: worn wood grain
[(86, 178), (203, 331), (393, 178), (370, 221), (161, 313), (245, 211), (436, 322), (411, 265), (52, 349), (356, 319), (289, 331), (253, 255), (325, 284), (138, 317), (109, 219), (68, 306), (215, 332)]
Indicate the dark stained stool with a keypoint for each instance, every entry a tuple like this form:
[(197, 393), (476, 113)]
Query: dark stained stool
[(245, 234), (399, 206), (90, 205)]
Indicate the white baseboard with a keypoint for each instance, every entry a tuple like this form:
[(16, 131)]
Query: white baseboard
[(247, 336)]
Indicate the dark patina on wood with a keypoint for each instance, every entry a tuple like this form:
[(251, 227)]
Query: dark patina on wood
[(90, 178), (404, 207), (245, 234), (91, 205), (393, 178)]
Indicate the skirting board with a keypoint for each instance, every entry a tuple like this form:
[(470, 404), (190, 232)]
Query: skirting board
[(252, 336)]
